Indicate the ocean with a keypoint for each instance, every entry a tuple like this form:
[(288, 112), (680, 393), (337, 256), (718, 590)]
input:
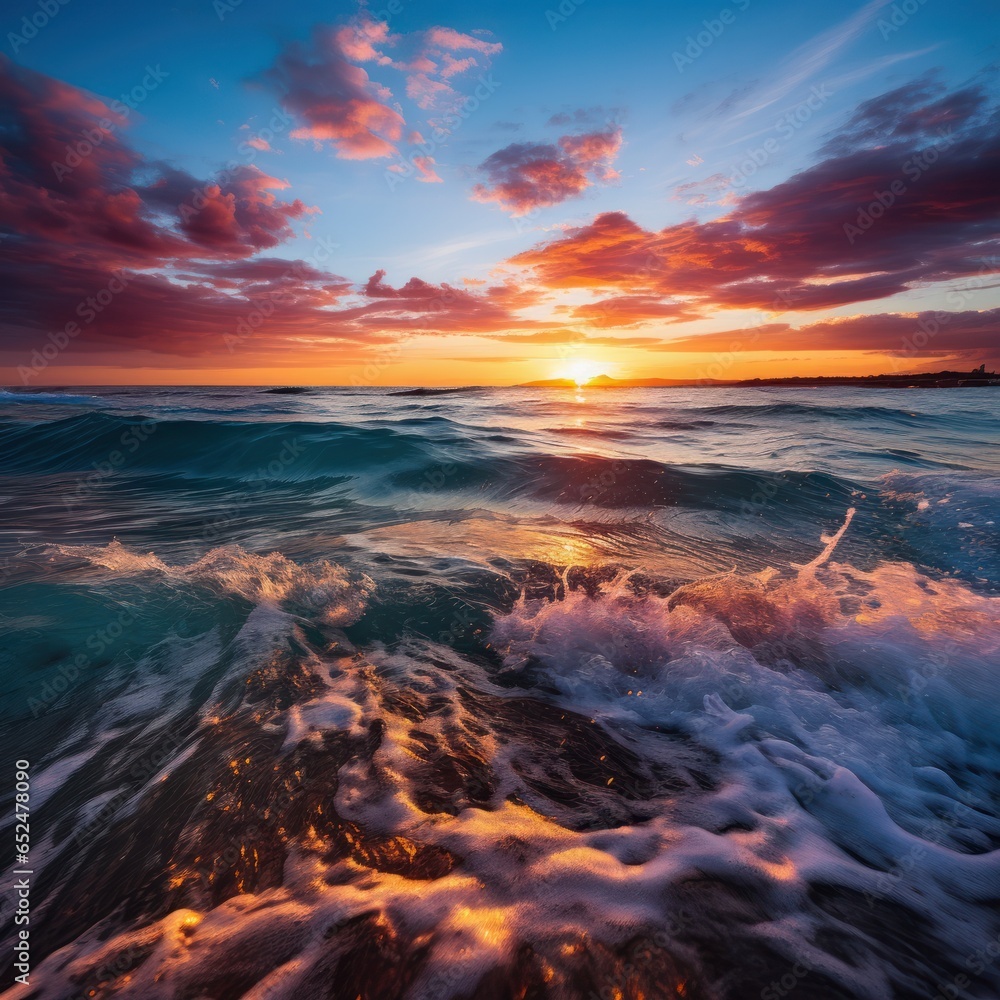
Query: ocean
[(486, 694)]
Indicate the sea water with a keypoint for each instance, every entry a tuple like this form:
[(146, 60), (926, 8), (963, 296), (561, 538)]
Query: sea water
[(497, 693)]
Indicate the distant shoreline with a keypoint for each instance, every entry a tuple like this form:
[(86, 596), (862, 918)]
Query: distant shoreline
[(923, 380)]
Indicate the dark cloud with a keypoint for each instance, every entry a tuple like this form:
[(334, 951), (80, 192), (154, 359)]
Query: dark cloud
[(966, 332)]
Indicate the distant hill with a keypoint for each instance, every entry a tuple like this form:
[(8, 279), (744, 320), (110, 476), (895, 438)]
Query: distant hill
[(932, 380)]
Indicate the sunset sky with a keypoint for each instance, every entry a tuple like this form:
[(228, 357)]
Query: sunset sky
[(425, 192)]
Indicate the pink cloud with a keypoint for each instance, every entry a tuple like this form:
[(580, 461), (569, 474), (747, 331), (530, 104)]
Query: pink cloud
[(357, 41), (455, 41), (334, 100), (429, 64), (452, 66), (425, 167), (425, 91), (183, 255), (525, 176), (969, 332)]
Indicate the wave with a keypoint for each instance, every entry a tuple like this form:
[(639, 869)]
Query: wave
[(272, 450), (698, 791), (768, 411), (335, 593), (6, 396), (427, 456), (949, 520), (448, 391), (642, 483)]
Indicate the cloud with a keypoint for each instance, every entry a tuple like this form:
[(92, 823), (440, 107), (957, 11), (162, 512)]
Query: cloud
[(568, 336), (909, 113), (196, 254), (425, 168), (68, 178), (629, 310), (715, 189), (180, 253), (235, 214), (334, 99), (806, 61), (584, 117), (436, 39), (859, 225), (525, 176), (430, 64), (923, 333)]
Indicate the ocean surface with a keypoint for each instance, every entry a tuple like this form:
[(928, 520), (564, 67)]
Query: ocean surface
[(504, 693)]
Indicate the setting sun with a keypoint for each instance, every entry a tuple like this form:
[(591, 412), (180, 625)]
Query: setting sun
[(581, 371)]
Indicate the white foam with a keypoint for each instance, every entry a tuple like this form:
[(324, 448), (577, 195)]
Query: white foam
[(337, 594), (853, 715)]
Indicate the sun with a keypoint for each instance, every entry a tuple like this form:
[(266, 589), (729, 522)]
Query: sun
[(580, 370)]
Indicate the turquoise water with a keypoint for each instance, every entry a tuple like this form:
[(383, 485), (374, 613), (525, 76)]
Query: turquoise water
[(505, 692)]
